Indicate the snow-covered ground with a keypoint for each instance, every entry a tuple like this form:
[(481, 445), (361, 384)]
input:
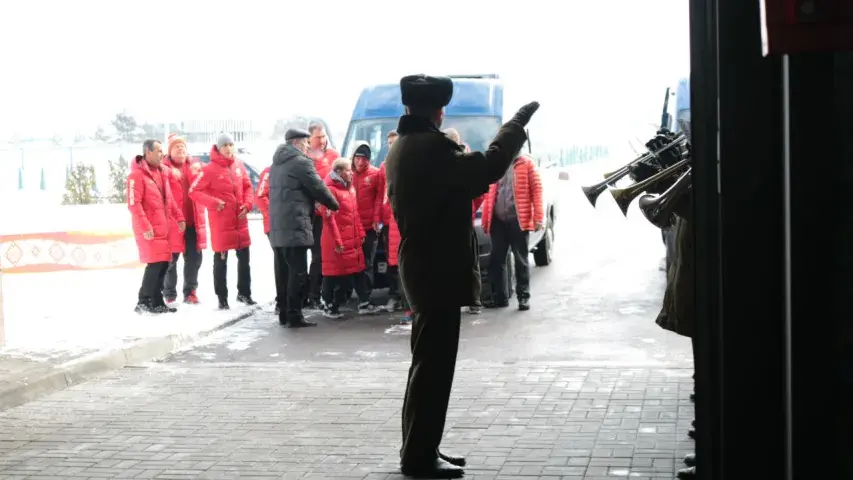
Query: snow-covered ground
[(67, 314)]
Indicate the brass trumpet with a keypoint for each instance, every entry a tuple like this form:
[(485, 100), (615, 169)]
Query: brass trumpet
[(593, 191), (624, 196), (658, 209)]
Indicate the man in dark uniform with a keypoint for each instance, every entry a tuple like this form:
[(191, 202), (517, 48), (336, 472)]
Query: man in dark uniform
[(295, 187), (431, 183)]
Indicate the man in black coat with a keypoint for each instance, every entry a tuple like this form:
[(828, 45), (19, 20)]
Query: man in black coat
[(295, 187), (431, 183)]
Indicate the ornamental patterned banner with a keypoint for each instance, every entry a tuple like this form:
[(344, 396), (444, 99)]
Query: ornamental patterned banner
[(58, 251)]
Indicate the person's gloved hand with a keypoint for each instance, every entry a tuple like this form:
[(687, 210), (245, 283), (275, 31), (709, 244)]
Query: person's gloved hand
[(524, 114)]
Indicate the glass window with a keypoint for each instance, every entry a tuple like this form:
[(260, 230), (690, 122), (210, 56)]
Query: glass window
[(476, 132)]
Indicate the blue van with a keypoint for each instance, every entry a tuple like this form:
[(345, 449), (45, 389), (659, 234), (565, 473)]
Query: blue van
[(476, 112)]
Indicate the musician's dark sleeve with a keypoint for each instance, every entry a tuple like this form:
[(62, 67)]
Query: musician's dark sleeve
[(475, 171)]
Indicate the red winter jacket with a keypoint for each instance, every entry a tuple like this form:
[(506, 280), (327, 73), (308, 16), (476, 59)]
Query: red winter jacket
[(152, 208), (181, 176), (323, 160), (393, 231), (341, 228), (475, 205), (262, 198), (369, 191), (225, 179), (528, 196)]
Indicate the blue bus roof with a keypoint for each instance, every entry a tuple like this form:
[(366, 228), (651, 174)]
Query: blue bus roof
[(471, 97)]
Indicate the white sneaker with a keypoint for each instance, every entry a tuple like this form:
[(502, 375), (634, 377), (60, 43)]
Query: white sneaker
[(367, 308)]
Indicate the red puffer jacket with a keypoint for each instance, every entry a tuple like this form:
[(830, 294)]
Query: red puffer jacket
[(262, 198), (393, 231), (341, 228), (369, 190), (527, 189), (225, 180), (181, 176), (152, 209)]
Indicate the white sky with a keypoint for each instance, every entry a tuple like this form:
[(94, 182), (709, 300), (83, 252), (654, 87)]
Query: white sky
[(597, 66)]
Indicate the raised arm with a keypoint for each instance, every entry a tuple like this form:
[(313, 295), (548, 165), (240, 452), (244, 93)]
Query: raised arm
[(198, 192)]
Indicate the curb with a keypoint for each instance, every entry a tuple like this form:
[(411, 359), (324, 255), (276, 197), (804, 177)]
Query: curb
[(81, 369)]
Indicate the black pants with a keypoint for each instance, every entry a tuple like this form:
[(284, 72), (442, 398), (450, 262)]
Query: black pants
[(316, 272), (335, 289), (395, 289), (507, 236), (369, 249), (192, 263), (435, 342), (152, 282), (220, 270), (293, 272), (280, 280)]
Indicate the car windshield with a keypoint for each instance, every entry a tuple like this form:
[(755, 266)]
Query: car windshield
[(476, 132)]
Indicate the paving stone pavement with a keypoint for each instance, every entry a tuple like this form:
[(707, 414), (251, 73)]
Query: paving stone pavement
[(316, 420)]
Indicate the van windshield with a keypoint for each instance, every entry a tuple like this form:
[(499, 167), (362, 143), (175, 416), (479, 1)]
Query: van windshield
[(476, 132)]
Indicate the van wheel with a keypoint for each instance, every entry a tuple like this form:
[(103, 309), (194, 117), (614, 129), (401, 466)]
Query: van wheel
[(542, 254)]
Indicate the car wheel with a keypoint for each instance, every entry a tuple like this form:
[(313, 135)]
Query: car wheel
[(542, 254)]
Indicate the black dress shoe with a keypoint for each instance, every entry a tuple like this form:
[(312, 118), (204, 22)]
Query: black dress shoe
[(690, 459), (686, 473), (692, 433), (301, 323), (457, 460), (436, 469)]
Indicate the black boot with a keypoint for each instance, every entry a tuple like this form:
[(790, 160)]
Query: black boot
[(524, 304), (438, 468), (223, 304)]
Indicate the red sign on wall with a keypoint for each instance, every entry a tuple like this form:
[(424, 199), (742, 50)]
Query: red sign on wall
[(800, 26)]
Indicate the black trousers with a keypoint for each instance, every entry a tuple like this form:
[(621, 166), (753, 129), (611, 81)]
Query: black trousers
[(152, 282), (316, 271), (280, 279), (507, 236), (435, 342), (220, 271), (335, 289), (293, 273), (369, 248), (192, 263), (395, 289)]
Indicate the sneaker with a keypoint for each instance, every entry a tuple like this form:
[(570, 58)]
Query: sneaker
[(367, 308), (223, 304), (475, 310), (190, 298), (142, 308), (245, 299), (407, 318), (524, 304), (163, 309), (170, 300), (392, 305), (333, 312)]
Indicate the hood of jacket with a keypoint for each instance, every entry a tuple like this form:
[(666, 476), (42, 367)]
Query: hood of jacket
[(335, 180), (361, 148), (284, 153), (220, 159)]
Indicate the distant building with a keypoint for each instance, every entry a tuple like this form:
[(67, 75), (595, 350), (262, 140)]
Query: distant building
[(207, 131)]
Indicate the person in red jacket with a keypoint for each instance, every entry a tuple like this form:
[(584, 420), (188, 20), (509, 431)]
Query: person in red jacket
[(513, 209), (152, 211), (323, 158), (369, 192), (182, 170), (223, 187), (395, 291), (262, 199), (342, 238)]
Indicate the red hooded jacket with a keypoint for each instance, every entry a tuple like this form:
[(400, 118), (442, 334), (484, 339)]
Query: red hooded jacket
[(181, 176), (341, 229), (225, 180), (152, 209)]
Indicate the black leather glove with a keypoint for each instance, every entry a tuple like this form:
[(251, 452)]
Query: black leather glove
[(522, 117)]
